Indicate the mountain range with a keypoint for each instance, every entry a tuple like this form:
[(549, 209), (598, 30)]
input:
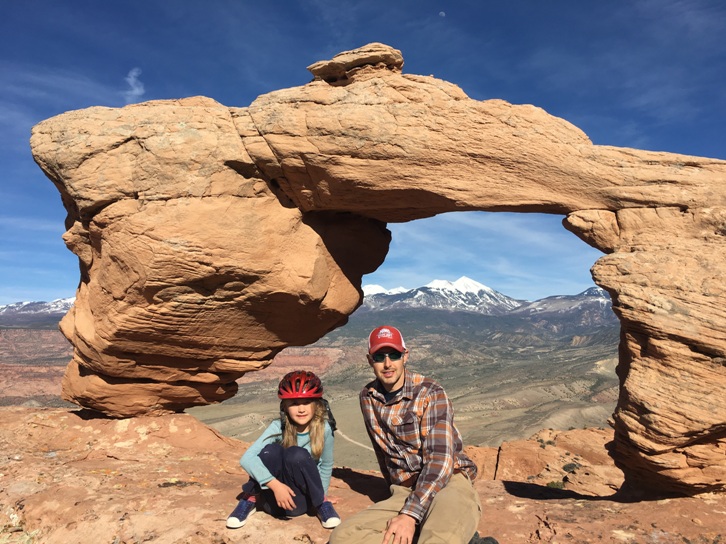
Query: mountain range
[(462, 295), (592, 306), (53, 307), (35, 315), (511, 366)]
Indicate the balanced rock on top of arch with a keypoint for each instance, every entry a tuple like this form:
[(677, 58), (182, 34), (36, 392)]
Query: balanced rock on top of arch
[(211, 237)]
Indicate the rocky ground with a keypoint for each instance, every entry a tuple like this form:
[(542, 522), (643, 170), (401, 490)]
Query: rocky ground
[(69, 477)]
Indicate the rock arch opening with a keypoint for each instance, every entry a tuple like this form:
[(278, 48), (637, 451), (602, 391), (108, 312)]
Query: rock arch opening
[(514, 365), (526, 256)]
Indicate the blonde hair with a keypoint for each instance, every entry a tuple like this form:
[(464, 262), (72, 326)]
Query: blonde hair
[(316, 429)]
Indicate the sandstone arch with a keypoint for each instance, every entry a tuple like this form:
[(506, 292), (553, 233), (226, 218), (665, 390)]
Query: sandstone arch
[(209, 238)]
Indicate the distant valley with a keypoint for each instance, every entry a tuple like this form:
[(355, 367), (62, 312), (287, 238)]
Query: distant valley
[(519, 368), (511, 367)]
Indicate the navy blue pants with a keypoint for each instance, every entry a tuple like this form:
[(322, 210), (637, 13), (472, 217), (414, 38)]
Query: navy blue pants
[(295, 467)]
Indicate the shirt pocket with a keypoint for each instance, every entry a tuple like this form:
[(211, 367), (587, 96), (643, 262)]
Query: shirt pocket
[(405, 430)]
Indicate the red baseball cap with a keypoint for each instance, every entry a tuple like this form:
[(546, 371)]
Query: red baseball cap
[(385, 336)]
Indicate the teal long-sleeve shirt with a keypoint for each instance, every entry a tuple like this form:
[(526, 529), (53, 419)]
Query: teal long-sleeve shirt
[(254, 466)]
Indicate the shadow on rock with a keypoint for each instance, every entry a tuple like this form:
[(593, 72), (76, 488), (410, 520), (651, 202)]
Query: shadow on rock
[(373, 487), (626, 494), (88, 414), (541, 492)]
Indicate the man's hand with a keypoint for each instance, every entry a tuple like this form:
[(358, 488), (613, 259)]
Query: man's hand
[(400, 530), (283, 494)]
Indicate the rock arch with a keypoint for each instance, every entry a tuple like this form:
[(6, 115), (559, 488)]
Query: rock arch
[(209, 238)]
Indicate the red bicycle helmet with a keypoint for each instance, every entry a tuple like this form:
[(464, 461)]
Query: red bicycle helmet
[(300, 384)]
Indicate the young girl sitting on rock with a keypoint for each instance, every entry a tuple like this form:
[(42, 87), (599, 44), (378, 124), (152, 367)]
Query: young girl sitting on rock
[(290, 464)]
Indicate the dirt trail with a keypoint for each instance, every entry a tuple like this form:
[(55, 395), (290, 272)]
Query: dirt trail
[(342, 435)]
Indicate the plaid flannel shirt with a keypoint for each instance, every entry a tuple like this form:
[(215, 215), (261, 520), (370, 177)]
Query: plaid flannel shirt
[(415, 439)]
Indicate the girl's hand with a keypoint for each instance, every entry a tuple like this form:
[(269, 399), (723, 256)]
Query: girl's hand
[(283, 494)]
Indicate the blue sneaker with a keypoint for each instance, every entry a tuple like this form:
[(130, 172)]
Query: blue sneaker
[(240, 514), (328, 516)]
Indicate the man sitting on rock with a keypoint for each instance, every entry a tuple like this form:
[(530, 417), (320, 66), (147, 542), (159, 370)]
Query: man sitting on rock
[(410, 422)]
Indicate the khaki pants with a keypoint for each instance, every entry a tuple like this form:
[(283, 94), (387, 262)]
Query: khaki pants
[(452, 518)]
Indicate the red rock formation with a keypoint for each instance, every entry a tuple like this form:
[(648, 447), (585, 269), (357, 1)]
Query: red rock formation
[(193, 271), (212, 237), (66, 477)]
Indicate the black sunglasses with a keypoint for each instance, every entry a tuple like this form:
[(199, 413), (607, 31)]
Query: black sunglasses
[(381, 356)]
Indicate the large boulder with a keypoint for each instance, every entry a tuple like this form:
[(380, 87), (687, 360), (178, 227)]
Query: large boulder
[(209, 238), (193, 271)]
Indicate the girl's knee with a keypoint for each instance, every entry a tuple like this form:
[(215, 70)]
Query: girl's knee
[(271, 456), (271, 449), (295, 455)]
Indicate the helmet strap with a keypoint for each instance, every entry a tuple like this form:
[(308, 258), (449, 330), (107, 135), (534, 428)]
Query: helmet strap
[(331, 419)]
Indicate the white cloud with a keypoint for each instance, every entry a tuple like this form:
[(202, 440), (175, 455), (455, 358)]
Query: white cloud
[(136, 87), (25, 224), (339, 19), (700, 24), (11, 292), (37, 274), (15, 124), (51, 86), (29, 94), (662, 55)]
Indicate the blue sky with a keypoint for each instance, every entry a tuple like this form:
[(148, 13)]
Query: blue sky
[(649, 74)]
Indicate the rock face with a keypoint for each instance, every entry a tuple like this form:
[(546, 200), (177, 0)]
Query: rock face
[(209, 238), (193, 271), (67, 477)]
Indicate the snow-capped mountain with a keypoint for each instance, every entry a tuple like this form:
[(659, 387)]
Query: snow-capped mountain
[(464, 294), (42, 315), (591, 307), (595, 297), (369, 290), (58, 306)]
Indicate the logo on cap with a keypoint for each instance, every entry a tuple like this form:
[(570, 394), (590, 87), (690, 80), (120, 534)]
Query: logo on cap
[(384, 333)]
